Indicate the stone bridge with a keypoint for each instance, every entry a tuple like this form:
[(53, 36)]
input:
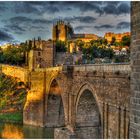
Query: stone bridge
[(87, 101), (20, 73)]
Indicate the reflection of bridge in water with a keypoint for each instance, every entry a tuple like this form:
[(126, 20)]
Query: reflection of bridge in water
[(86, 101)]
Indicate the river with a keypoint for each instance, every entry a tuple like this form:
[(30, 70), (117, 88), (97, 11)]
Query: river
[(19, 131)]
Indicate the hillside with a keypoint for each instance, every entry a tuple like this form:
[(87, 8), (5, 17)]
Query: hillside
[(12, 99)]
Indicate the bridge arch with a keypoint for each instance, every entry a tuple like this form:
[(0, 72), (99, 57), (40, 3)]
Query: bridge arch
[(54, 107), (87, 113)]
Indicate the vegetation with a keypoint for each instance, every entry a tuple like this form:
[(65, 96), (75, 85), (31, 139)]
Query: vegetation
[(100, 49), (96, 52), (95, 49), (12, 117), (14, 55), (12, 98), (60, 46), (124, 42), (121, 58)]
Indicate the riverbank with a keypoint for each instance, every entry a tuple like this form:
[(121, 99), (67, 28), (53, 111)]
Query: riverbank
[(14, 117), (12, 99)]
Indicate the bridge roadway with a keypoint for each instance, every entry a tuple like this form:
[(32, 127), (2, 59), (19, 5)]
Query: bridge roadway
[(80, 101)]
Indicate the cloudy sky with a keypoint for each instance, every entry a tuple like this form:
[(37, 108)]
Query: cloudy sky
[(20, 20)]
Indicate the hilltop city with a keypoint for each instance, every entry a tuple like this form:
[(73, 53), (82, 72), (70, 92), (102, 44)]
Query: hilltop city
[(67, 47)]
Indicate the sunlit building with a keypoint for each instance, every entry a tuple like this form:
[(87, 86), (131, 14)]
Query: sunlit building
[(118, 36)]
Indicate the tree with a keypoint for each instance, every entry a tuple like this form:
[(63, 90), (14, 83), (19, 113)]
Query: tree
[(104, 41), (113, 40), (13, 55), (126, 41), (60, 46)]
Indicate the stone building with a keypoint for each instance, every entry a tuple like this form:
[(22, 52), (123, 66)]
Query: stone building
[(62, 31), (41, 55), (118, 36)]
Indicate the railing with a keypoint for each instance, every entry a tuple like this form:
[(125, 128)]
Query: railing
[(124, 67)]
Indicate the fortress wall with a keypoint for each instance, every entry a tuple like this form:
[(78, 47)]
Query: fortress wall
[(15, 71)]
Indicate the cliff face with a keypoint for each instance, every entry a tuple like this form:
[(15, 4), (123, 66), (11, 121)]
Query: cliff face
[(12, 97)]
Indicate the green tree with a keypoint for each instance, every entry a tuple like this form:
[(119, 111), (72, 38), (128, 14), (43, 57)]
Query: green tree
[(60, 46), (13, 55), (126, 41)]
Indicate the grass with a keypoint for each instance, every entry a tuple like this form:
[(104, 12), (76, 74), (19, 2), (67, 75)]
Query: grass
[(11, 117)]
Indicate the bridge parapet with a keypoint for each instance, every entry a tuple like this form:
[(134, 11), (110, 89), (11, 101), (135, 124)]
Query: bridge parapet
[(49, 69), (15, 71), (98, 67)]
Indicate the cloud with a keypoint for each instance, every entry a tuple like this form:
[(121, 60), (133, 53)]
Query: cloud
[(123, 25), (15, 28), (21, 24), (5, 36), (79, 28), (3, 6), (124, 8), (116, 8), (105, 26), (25, 20), (35, 7), (82, 19), (24, 7), (85, 19), (52, 7)]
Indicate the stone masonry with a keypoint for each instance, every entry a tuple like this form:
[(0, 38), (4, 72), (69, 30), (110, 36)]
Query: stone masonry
[(87, 101), (83, 101), (135, 75)]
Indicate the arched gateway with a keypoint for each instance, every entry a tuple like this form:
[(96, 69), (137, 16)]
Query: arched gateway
[(88, 123), (54, 111)]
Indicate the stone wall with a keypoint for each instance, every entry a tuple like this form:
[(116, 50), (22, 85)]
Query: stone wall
[(135, 75), (18, 72), (111, 89), (109, 85)]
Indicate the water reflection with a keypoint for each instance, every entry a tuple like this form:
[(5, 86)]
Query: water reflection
[(16, 131), (11, 131)]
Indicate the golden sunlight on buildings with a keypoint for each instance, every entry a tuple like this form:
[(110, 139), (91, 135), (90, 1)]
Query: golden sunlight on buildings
[(118, 36), (10, 131)]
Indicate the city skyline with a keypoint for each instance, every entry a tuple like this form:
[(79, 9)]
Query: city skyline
[(25, 20)]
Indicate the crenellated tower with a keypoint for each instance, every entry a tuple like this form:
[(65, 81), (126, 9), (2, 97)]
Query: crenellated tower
[(62, 31)]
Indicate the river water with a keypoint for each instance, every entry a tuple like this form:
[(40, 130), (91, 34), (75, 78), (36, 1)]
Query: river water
[(19, 131)]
